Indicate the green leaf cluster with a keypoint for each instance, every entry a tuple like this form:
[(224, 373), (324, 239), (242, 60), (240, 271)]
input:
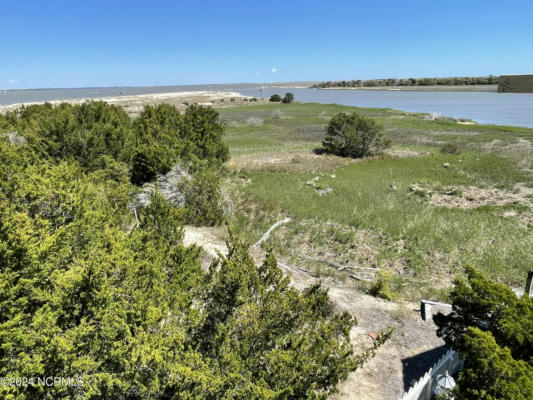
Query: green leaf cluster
[(493, 330)]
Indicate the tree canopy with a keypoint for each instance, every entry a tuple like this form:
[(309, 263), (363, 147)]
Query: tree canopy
[(453, 81)]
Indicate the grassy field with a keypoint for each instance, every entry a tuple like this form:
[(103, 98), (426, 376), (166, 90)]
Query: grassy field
[(414, 215)]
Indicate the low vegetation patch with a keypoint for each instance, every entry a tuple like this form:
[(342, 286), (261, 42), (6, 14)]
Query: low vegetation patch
[(420, 243)]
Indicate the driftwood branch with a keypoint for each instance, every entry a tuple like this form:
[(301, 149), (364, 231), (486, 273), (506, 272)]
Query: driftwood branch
[(267, 233), (336, 265), (136, 218), (306, 272), (295, 269)]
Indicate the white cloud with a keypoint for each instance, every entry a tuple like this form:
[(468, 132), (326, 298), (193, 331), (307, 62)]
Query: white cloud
[(274, 70), (13, 81)]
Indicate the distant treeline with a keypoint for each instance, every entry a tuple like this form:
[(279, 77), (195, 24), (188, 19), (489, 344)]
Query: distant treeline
[(459, 81)]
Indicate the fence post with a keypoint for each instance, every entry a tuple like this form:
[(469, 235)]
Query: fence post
[(425, 310), (427, 391)]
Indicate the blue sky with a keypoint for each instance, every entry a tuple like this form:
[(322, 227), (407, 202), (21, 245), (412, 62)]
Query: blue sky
[(115, 43)]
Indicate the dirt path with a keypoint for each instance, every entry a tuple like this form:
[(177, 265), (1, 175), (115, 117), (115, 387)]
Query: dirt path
[(406, 356)]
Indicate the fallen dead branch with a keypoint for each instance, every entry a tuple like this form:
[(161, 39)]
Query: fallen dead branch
[(267, 233), (336, 265), (306, 272)]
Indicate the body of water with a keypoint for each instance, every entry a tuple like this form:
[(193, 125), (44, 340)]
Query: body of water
[(483, 107)]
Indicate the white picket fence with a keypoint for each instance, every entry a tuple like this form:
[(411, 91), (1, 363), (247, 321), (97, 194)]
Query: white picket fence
[(423, 389)]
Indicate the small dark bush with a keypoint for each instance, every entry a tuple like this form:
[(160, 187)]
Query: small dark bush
[(142, 169), (232, 99), (275, 97), (289, 98), (351, 135), (254, 99), (450, 148)]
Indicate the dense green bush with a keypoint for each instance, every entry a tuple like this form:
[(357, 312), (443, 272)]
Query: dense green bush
[(490, 371), (142, 168), (101, 137), (203, 201), (288, 98), (450, 148), (493, 330), (162, 136), (275, 97), (352, 135), (89, 290), (202, 130), (85, 132)]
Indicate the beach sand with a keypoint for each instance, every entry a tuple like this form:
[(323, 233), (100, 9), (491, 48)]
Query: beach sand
[(134, 104)]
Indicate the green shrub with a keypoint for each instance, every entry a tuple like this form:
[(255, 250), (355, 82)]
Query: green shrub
[(142, 169), (450, 148), (352, 135), (490, 371), (164, 136), (203, 201), (275, 98), (85, 132), (289, 98), (491, 327), (381, 287)]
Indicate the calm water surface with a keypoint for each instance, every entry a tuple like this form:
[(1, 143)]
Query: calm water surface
[(483, 107)]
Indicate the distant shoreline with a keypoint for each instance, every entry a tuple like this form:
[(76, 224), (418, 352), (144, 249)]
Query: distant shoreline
[(133, 104), (439, 88)]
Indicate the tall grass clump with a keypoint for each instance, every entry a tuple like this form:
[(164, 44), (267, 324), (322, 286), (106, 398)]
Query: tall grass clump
[(254, 121), (277, 113)]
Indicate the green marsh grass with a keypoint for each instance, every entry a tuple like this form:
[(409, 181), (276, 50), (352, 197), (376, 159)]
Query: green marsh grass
[(373, 195)]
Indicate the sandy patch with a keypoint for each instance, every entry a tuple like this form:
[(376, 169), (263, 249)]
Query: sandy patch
[(403, 153), (472, 197), (134, 104), (296, 161), (211, 239)]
